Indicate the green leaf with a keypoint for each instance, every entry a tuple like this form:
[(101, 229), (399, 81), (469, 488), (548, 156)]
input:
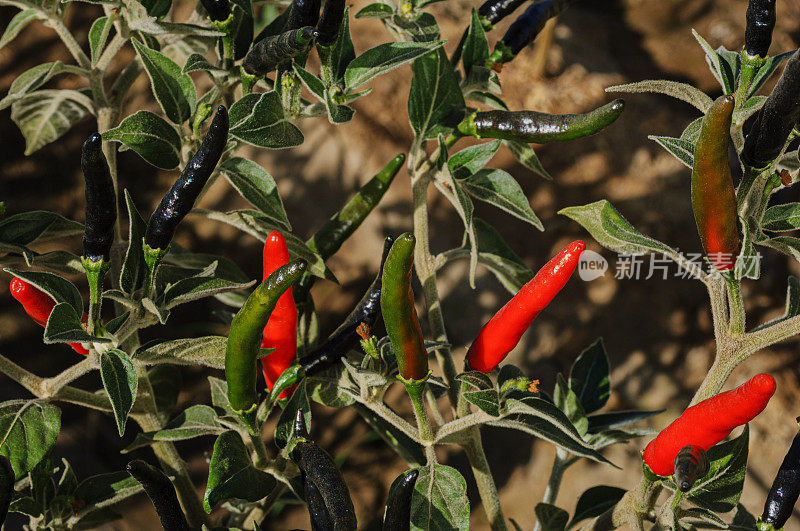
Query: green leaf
[(476, 47), (590, 377), (382, 59), (134, 269), (611, 230), (28, 430), (681, 149), (314, 84), (140, 20), (544, 420), (17, 24), (105, 489), (422, 26), (197, 62), (472, 159), (167, 382), (64, 326), (203, 284), (337, 114), (780, 218), (98, 36), (702, 518), (500, 189), (742, 519), (285, 426), (231, 474), (567, 401), (595, 501), (207, 351), (120, 382), (219, 394), (258, 119), (718, 67), (527, 157), (786, 244), (410, 451), (45, 115), (435, 102), (720, 489), (550, 517), (59, 289), (342, 53), (241, 27), (766, 71), (607, 421), (259, 226), (151, 137), (439, 500), (480, 391), (196, 421), (173, 89), (681, 91), (376, 10), (30, 80), (20, 230), (692, 131)]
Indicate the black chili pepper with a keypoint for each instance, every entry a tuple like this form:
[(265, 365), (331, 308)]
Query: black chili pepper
[(760, 23), (319, 468), (317, 512), (101, 201), (493, 11), (774, 121), (691, 463), (303, 13), (161, 492), (218, 10), (181, 197), (346, 336), (329, 21), (525, 29), (6, 487), (538, 127), (785, 489), (270, 52), (398, 506)]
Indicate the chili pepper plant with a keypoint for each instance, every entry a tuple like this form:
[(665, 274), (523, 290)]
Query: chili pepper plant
[(236, 74)]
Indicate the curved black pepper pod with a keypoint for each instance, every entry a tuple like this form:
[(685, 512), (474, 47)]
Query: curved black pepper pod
[(101, 201), (329, 21), (317, 512), (303, 13), (346, 337), (268, 53), (181, 197), (218, 10), (6, 487), (691, 463), (774, 121), (398, 506), (525, 29), (785, 489), (318, 467), (493, 11), (760, 23), (161, 492)]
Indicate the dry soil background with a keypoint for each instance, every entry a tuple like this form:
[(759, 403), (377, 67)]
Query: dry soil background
[(657, 332)]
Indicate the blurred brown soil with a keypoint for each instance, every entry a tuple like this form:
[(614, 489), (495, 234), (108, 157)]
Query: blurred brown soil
[(657, 332)]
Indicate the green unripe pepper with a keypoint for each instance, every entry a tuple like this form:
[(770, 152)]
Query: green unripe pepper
[(244, 340), (399, 313)]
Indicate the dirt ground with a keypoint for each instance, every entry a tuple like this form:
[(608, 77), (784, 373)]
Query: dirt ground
[(657, 332)]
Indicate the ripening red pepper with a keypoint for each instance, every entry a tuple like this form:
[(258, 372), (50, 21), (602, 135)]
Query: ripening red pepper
[(38, 305), (713, 196), (503, 331), (708, 422), (281, 330)]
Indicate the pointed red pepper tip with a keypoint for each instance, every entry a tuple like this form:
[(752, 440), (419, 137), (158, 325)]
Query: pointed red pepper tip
[(764, 384)]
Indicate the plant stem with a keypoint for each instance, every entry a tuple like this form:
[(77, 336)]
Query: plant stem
[(735, 304), (559, 466), (416, 391), (484, 480), (262, 459), (51, 386)]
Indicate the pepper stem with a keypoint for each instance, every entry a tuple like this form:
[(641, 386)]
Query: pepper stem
[(224, 26), (416, 391), (152, 257), (95, 272)]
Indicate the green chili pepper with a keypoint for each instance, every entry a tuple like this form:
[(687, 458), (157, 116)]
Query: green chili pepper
[(538, 127), (341, 226), (399, 313), (713, 197), (244, 340)]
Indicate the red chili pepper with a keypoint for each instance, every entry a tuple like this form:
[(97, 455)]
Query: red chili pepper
[(38, 305), (708, 422), (503, 331), (281, 330)]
